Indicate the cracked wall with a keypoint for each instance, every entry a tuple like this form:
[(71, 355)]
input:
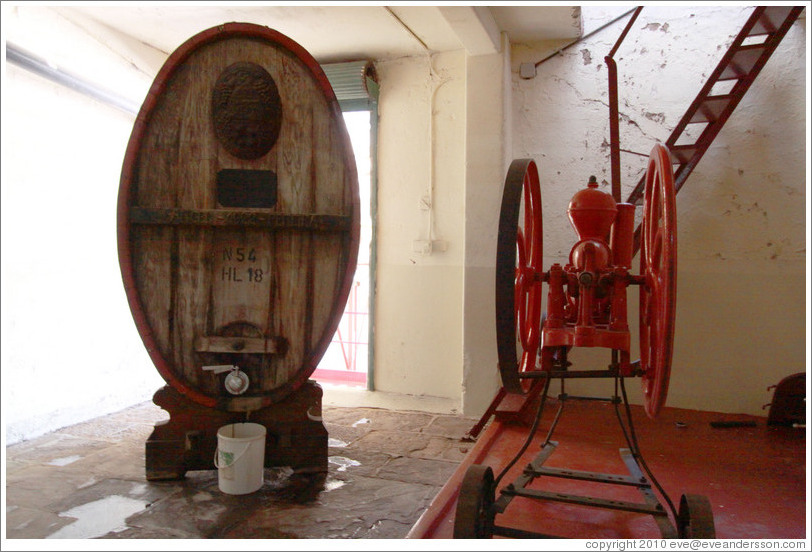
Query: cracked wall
[(742, 213)]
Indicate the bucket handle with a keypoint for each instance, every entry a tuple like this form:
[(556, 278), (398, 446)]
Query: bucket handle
[(217, 455)]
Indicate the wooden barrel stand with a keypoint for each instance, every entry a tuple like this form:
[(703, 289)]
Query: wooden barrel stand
[(188, 440)]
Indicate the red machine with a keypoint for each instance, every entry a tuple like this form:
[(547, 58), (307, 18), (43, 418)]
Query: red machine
[(586, 307), (586, 300)]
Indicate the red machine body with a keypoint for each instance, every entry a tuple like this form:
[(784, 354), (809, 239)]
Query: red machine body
[(586, 300), (587, 297)]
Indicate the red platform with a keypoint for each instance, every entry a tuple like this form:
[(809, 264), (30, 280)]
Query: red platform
[(754, 477)]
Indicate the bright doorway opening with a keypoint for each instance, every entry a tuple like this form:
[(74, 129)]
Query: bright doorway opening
[(347, 361)]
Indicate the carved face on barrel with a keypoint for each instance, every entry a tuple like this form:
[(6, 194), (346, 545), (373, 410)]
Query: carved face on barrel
[(246, 110)]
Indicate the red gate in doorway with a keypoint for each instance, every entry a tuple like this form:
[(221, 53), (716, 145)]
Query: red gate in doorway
[(346, 359)]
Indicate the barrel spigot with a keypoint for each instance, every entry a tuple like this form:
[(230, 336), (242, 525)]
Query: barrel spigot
[(236, 381)]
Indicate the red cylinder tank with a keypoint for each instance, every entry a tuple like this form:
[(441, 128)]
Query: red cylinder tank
[(592, 212)]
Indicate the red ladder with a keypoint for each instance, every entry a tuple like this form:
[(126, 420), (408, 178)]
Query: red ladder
[(740, 65)]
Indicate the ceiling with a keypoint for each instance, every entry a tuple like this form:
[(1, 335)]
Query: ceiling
[(341, 33)]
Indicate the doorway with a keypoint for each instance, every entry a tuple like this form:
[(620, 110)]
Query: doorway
[(347, 360)]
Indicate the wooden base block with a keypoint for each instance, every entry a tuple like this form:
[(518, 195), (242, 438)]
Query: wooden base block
[(188, 440)]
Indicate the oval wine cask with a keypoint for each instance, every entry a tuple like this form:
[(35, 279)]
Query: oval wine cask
[(238, 217)]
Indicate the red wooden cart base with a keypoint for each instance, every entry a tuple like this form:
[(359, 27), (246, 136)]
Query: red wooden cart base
[(587, 441), (296, 436)]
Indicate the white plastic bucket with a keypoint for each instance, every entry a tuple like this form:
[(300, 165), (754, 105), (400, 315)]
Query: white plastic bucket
[(240, 458)]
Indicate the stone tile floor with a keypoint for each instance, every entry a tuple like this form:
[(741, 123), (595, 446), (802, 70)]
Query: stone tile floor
[(87, 481)]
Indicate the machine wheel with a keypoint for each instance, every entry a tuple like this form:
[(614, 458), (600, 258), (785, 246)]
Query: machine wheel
[(519, 249), (695, 519), (474, 516), (658, 265)]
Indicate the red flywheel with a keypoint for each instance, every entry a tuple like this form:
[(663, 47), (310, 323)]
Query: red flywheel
[(519, 250), (658, 266)]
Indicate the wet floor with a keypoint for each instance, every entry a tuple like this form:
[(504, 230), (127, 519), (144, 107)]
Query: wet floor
[(87, 481)]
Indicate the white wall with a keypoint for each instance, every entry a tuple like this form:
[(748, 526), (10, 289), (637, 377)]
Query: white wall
[(488, 118), (434, 317), (741, 215), (421, 162), (70, 350)]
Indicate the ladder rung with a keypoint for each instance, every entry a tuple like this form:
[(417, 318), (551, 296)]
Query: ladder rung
[(710, 109), (742, 62), (770, 20), (683, 154)]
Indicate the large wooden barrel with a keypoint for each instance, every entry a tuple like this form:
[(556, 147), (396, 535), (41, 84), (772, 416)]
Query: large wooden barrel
[(238, 216)]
